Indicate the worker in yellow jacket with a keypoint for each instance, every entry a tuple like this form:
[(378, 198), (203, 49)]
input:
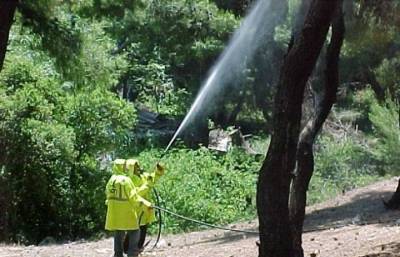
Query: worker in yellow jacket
[(123, 205), (144, 181)]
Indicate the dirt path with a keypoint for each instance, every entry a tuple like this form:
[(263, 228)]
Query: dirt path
[(353, 224)]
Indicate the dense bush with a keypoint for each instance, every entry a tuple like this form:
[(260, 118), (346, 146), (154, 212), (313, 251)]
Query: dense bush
[(341, 165), (388, 77), (170, 46), (386, 123), (206, 185), (52, 133)]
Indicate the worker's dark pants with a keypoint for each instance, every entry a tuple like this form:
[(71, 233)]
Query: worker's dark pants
[(142, 238), (133, 249)]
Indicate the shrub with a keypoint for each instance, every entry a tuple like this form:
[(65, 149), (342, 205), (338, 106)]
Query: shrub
[(205, 185), (340, 165), (385, 120), (52, 136)]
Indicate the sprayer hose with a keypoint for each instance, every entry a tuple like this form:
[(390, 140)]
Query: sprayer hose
[(204, 223)]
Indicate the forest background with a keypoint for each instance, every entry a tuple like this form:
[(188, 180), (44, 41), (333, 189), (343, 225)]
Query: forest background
[(76, 73)]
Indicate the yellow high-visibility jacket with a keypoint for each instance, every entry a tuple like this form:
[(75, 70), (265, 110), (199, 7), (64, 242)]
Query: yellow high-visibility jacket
[(123, 201), (144, 183), (148, 181)]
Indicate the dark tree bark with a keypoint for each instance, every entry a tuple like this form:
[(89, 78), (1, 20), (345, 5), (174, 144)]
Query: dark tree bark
[(305, 155), (7, 10), (394, 202), (275, 174)]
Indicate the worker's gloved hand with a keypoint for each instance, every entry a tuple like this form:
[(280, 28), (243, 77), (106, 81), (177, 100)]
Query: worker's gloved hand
[(145, 203), (160, 169)]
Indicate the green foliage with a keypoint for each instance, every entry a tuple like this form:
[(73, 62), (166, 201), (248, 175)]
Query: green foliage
[(220, 188), (107, 8), (169, 46), (373, 35), (388, 76), (156, 89), (340, 165), (99, 119), (359, 107), (81, 50), (37, 153), (56, 30), (96, 66), (371, 40), (205, 185), (260, 143), (385, 119), (52, 135), (322, 189), (339, 160)]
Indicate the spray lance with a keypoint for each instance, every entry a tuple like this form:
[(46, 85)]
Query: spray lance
[(158, 199), (228, 65), (157, 195), (163, 209), (155, 192), (252, 31), (166, 149)]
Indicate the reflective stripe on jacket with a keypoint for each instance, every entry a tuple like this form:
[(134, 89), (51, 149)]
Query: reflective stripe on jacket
[(122, 204)]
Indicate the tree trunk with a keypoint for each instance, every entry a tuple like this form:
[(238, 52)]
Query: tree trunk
[(394, 202), (7, 10), (275, 174), (305, 155), (298, 196)]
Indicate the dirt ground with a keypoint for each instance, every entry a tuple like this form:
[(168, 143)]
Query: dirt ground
[(354, 224)]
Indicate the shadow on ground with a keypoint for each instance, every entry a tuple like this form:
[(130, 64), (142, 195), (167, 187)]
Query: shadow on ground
[(227, 237), (358, 208), (363, 208)]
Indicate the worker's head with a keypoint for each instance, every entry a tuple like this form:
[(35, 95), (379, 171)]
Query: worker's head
[(119, 166), (132, 166)]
